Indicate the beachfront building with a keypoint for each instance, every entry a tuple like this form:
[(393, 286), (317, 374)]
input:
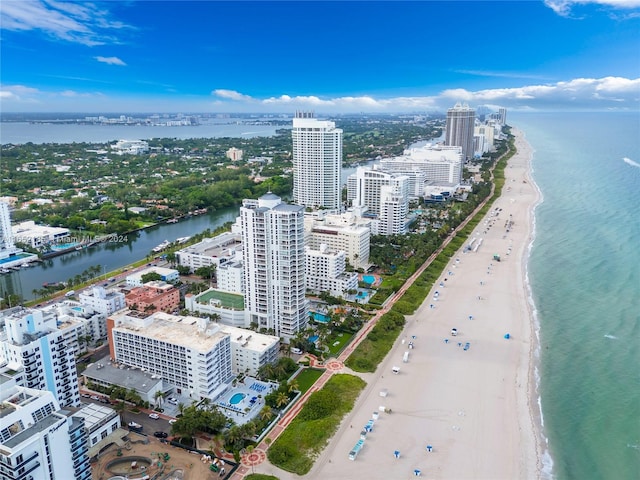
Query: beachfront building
[(317, 162), (325, 271), (130, 147), (211, 251), (227, 308), (383, 197), (155, 296), (430, 164), (459, 129), (166, 275), (251, 350), (38, 440), (190, 354), (502, 115), (37, 236), (348, 232), (273, 251), (394, 208), (101, 300), (40, 352)]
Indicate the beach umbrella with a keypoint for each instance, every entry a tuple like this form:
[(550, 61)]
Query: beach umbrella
[(396, 453), (417, 472), (429, 448), (507, 336)]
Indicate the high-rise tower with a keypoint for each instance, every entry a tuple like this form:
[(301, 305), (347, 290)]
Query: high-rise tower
[(274, 264), (317, 162), (459, 130)]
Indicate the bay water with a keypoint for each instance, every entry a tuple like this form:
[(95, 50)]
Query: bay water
[(584, 275)]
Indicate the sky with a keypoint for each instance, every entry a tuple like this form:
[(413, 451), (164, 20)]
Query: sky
[(330, 57)]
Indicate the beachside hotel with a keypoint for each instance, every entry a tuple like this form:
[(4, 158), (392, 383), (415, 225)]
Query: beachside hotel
[(190, 354)]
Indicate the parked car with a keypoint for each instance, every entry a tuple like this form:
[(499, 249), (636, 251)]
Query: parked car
[(134, 426), (85, 395), (172, 421), (155, 416), (94, 397), (160, 434)]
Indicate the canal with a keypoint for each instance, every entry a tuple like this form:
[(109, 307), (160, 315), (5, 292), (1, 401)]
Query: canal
[(111, 255)]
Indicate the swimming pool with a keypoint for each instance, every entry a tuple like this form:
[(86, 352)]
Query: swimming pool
[(64, 246), (237, 398), (370, 279), (362, 295), (320, 317)]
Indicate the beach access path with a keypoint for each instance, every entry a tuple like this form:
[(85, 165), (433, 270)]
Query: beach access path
[(467, 396)]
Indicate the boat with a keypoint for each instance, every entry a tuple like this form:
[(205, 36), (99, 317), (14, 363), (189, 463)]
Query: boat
[(182, 239), (172, 220), (161, 247)]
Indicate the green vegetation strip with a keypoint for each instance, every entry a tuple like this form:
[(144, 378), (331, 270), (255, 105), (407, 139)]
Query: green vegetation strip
[(371, 351), (297, 447), (260, 476)]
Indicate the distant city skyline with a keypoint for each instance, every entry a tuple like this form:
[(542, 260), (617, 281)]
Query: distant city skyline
[(331, 57)]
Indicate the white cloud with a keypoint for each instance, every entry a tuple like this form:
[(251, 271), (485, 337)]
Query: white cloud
[(563, 7), (579, 93), (81, 23), (231, 95), (110, 60)]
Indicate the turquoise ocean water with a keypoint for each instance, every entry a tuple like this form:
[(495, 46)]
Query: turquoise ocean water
[(584, 274)]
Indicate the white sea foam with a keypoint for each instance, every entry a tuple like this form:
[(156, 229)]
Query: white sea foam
[(612, 337), (631, 162), (546, 461)]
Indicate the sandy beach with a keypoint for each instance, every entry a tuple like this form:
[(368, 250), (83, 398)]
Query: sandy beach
[(472, 406)]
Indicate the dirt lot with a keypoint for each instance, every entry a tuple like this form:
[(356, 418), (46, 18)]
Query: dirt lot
[(182, 465)]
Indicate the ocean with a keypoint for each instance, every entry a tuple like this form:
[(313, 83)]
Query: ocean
[(584, 276)]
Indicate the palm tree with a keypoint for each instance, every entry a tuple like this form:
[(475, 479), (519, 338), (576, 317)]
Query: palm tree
[(293, 386), (120, 407), (159, 397), (282, 399), (266, 413)]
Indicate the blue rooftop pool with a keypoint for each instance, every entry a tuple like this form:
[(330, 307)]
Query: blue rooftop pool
[(236, 398)]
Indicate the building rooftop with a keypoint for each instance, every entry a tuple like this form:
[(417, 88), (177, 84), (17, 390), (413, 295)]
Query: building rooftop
[(226, 299), (126, 377), (223, 245), (95, 415), (173, 329), (249, 339), (38, 427)]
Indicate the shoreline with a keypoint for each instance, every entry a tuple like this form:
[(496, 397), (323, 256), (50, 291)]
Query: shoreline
[(476, 406)]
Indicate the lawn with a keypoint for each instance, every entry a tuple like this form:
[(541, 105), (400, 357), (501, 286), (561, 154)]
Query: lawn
[(338, 342), (307, 435), (307, 377)]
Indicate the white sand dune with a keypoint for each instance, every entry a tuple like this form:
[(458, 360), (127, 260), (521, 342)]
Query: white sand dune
[(473, 406)]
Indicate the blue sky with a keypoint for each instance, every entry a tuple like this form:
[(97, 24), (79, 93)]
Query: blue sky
[(333, 57)]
